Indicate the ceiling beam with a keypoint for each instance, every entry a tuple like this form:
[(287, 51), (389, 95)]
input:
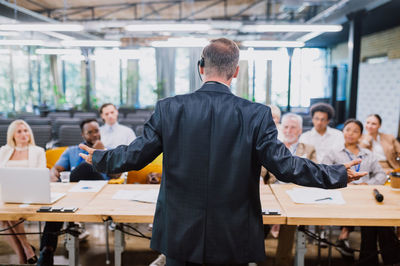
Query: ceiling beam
[(203, 9), (158, 10), (247, 8)]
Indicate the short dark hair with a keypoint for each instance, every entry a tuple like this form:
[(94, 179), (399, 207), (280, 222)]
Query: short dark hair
[(377, 117), (86, 121), (355, 121), (221, 56), (324, 108), (104, 106)]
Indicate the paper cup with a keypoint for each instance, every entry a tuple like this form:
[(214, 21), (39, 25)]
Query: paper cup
[(64, 176), (395, 180)]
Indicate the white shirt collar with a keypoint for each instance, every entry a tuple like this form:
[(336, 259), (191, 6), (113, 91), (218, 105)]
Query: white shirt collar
[(327, 132)]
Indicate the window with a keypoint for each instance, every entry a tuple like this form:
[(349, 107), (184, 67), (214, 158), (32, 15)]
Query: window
[(182, 60), (309, 76), (107, 79), (75, 86)]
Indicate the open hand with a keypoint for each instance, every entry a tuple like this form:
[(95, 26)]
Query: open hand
[(351, 174), (86, 157)]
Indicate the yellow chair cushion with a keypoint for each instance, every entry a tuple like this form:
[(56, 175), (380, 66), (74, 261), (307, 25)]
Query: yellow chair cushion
[(139, 177), (53, 155)]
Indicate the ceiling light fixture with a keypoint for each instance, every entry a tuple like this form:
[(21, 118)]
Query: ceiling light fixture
[(309, 36), (22, 42), (8, 33), (181, 42), (273, 44), (41, 27), (290, 28), (58, 51), (90, 43), (168, 27)]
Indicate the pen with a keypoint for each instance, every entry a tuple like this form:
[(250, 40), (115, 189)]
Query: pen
[(327, 198)]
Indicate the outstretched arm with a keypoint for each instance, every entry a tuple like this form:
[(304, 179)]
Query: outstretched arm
[(134, 156)]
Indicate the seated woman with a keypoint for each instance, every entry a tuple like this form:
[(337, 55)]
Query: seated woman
[(385, 146), (20, 151), (388, 242)]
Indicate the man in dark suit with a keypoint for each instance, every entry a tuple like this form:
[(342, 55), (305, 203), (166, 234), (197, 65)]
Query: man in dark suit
[(214, 143)]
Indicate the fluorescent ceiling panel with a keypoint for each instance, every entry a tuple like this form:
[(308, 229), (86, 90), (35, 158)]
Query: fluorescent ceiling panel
[(168, 27), (91, 43), (41, 27), (273, 44), (291, 28)]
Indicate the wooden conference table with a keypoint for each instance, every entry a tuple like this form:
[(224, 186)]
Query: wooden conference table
[(361, 209), (99, 207)]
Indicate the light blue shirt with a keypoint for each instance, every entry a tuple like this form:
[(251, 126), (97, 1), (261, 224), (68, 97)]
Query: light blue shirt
[(70, 159), (115, 135)]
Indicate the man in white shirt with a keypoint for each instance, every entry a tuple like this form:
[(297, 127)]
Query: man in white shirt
[(112, 133), (321, 136)]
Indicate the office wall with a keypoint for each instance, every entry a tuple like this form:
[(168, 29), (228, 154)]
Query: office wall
[(379, 92), (384, 43)]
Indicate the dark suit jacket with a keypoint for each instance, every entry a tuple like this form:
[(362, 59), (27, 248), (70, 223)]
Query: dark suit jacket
[(213, 145)]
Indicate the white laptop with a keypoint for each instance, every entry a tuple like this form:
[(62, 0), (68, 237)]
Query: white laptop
[(27, 185)]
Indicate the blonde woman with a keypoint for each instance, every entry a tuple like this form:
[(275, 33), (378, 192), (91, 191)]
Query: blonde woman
[(21, 151)]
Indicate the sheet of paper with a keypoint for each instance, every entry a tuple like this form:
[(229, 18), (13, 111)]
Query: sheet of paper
[(147, 195), (315, 196), (88, 186)]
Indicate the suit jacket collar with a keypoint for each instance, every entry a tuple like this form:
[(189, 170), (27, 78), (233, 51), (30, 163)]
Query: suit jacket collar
[(215, 87)]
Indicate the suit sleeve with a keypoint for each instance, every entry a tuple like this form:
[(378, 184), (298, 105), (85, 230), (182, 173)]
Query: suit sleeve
[(276, 158), (136, 155)]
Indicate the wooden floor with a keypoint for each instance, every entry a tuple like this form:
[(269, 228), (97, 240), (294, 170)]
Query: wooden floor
[(137, 251)]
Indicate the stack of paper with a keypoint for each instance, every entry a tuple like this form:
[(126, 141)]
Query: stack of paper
[(148, 195), (315, 196), (88, 186)]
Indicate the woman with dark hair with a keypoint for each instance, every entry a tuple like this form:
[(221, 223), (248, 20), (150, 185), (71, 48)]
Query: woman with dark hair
[(384, 146), (352, 132)]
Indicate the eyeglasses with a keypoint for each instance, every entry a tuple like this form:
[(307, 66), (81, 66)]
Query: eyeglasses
[(320, 119)]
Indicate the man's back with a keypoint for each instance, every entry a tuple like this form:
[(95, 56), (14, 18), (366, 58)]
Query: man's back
[(209, 194)]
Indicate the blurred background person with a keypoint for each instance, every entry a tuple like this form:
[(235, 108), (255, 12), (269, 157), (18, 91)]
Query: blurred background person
[(292, 125), (113, 133), (21, 151), (384, 146), (321, 136), (351, 150), (276, 116)]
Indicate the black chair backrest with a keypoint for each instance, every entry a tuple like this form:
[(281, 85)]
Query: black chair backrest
[(144, 116), (133, 120), (64, 121), (5, 121), (132, 123), (55, 115), (38, 121), (85, 115), (27, 116), (69, 135), (3, 134), (42, 134)]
